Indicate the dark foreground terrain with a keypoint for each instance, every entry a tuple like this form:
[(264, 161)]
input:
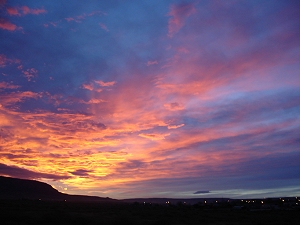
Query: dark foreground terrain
[(33, 202), (18, 212)]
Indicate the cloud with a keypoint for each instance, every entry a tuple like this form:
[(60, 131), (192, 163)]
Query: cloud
[(24, 10), (174, 106), (95, 101), (201, 192), (15, 97), (5, 85), (154, 137), (103, 26), (6, 25), (30, 73), (14, 171), (81, 172), (12, 11), (175, 126), (179, 13), (105, 84), (150, 63), (4, 61), (81, 17), (89, 87)]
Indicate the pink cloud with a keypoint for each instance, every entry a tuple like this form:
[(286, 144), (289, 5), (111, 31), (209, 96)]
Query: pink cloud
[(69, 19), (179, 14), (27, 10), (103, 26), (154, 137), (19, 96), (12, 11), (174, 106), (4, 61), (24, 10), (175, 126), (5, 85), (150, 63), (105, 84), (6, 25), (30, 73), (89, 87)]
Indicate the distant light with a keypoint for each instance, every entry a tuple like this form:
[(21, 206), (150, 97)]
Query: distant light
[(283, 200), (242, 200), (262, 202), (205, 202)]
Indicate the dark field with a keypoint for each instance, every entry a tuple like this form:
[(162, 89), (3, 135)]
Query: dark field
[(18, 212)]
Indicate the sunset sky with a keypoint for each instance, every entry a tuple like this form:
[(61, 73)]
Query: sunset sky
[(151, 98)]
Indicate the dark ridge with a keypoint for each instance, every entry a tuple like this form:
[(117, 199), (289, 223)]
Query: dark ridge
[(15, 188)]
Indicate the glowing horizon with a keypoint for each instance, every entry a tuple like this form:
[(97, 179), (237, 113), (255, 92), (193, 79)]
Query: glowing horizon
[(152, 98)]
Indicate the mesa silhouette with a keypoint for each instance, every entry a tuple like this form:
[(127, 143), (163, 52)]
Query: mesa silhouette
[(15, 188)]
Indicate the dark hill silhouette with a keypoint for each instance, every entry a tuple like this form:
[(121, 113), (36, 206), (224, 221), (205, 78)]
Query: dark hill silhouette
[(15, 188)]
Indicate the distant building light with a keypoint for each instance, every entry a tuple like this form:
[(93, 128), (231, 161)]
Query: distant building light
[(262, 202)]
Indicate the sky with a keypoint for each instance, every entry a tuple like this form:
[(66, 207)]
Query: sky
[(150, 98)]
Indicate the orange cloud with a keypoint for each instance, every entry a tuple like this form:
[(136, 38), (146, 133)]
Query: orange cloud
[(89, 87)]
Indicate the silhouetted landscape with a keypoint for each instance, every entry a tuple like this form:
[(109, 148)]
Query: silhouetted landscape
[(33, 202)]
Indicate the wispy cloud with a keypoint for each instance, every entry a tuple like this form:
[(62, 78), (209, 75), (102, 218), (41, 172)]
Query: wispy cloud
[(24, 10), (179, 13), (105, 84)]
